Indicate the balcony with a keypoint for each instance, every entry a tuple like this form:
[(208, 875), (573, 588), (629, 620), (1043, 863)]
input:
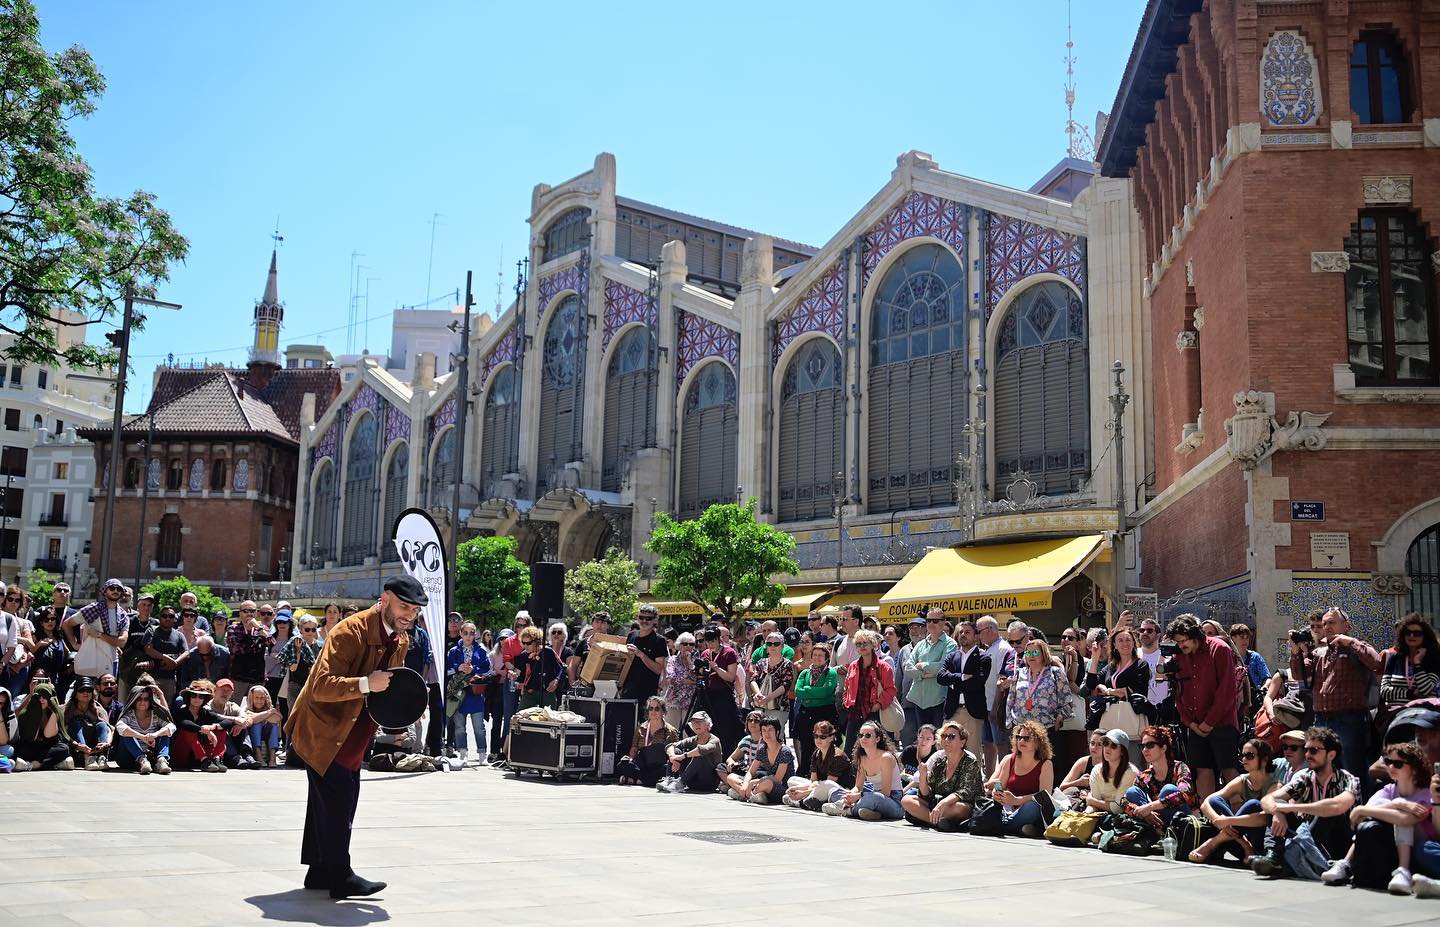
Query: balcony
[(57, 567), (53, 520)]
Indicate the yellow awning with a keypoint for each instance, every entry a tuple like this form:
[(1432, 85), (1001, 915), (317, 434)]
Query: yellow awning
[(795, 603), (671, 608), (1016, 577), (869, 602)]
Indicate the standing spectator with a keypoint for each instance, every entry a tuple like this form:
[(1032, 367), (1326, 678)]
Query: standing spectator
[(1040, 692), (1116, 686), (249, 641), (678, 682), (106, 628), (923, 667), (1255, 666), (815, 695), (1310, 813), (282, 630), (717, 668), (191, 600), (845, 651), (649, 651), (916, 631), (1159, 691), (41, 740), (869, 686), (1207, 701), (144, 733), (334, 614), (1002, 661), (189, 626), (89, 730), (559, 654), (599, 624), (510, 648), (16, 651), (431, 728), (7, 729), (299, 657), (165, 648), (532, 673), (772, 679), (48, 651), (468, 662), (262, 725), (965, 675), (1341, 671)]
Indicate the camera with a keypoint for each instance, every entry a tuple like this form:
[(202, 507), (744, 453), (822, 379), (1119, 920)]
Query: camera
[(703, 664), (1302, 636), (1169, 650)]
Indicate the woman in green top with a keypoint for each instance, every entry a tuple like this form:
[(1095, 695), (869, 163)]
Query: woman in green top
[(948, 783), (815, 695)]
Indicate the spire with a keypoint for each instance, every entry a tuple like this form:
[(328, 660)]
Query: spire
[(269, 313), (1080, 144), (272, 286)]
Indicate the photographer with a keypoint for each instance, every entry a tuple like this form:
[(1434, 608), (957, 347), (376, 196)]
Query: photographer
[(1207, 700), (716, 667), (1341, 670)]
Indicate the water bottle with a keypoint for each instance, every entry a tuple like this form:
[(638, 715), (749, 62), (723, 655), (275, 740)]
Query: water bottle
[(1169, 845)]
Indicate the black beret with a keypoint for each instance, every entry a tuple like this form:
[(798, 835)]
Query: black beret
[(407, 589)]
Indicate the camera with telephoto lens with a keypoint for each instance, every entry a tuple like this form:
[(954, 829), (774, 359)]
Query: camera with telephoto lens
[(1169, 664), (704, 666), (1302, 636)]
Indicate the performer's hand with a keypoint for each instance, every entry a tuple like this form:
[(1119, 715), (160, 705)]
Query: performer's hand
[(379, 680)]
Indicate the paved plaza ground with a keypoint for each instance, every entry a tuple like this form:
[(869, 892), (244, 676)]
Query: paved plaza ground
[(481, 847)]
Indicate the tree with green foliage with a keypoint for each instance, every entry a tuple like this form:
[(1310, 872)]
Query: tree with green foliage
[(723, 560), (66, 254), (168, 592), (605, 585), (41, 586), (490, 583)]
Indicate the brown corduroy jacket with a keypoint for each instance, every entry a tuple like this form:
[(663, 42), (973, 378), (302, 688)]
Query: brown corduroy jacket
[(331, 701)]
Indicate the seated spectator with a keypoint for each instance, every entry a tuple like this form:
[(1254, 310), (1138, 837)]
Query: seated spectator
[(1235, 809), (1165, 787), (1076, 783), (201, 735), (238, 752), (206, 660), (739, 759), (918, 753), (7, 727), (1022, 782), (693, 759), (876, 795), (262, 724), (830, 770), (89, 730), (947, 784), (1110, 780), (1395, 830), (107, 702), (41, 741), (647, 759), (1292, 755), (1412, 668), (144, 732), (770, 768), (1305, 835)]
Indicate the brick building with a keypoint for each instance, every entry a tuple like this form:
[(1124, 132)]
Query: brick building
[(1284, 163), (208, 471)]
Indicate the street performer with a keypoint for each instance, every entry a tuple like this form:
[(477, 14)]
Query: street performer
[(329, 729)]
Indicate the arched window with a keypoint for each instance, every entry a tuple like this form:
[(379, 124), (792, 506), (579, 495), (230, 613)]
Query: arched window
[(629, 404), (360, 466), (918, 382), (1042, 409), (175, 477), (167, 547), (132, 473), (1422, 566), (442, 470), (217, 475), (397, 486), (560, 402), (811, 431), (38, 421), (197, 475), (1380, 79), (1389, 301), (322, 519), (568, 233), (497, 439), (152, 475), (242, 477), (708, 441)]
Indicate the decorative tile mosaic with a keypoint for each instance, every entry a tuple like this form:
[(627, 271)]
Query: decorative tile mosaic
[(1015, 249), (571, 278), (443, 416), (325, 447), (365, 398), (1289, 93), (1372, 616), (918, 214), (397, 425), (821, 309), (701, 338), (624, 305), (503, 352)]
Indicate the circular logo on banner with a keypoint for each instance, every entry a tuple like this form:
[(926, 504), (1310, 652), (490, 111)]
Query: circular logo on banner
[(420, 555)]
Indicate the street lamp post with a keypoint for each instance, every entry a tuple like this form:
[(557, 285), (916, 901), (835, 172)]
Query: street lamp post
[(837, 499), (1119, 399), (462, 408)]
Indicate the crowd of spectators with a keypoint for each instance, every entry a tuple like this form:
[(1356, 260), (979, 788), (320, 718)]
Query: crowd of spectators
[(1138, 739)]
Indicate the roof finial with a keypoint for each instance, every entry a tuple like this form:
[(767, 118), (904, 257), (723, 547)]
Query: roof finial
[(1081, 145)]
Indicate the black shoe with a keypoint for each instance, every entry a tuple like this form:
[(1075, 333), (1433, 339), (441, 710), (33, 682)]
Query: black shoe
[(317, 878), (355, 887), (811, 804), (1047, 808)]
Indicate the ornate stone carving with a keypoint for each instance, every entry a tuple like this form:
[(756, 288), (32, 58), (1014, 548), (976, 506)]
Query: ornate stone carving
[(1390, 583), (1383, 190), (1187, 340), (1252, 434), (1329, 262), (1190, 272), (1199, 318)]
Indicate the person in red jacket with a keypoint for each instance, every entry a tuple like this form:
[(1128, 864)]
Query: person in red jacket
[(1208, 700), (869, 686)]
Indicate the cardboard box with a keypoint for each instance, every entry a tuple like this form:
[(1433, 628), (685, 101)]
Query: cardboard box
[(609, 659)]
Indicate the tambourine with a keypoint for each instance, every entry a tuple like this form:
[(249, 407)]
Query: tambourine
[(402, 703)]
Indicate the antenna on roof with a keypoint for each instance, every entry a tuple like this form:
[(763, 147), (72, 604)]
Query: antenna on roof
[(1080, 145), (499, 281), (276, 236)]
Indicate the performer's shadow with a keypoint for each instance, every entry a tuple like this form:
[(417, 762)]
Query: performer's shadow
[(303, 906)]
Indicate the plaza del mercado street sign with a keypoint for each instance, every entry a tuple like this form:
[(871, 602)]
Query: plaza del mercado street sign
[(1015, 577)]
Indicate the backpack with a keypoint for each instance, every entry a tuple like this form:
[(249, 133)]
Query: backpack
[(1128, 837)]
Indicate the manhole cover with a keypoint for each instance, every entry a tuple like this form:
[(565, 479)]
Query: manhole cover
[(733, 837)]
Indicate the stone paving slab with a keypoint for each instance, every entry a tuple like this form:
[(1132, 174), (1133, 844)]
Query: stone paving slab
[(84, 847)]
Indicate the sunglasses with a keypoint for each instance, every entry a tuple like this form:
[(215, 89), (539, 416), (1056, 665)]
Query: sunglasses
[(1249, 755), (1032, 653), (864, 646), (774, 644), (868, 735), (653, 708), (951, 737), (307, 630), (1149, 745), (1290, 748), (1109, 745), (824, 736), (1148, 631), (1393, 763), (264, 612), (12, 598), (557, 633), (246, 610), (1313, 751), (1414, 632), (1024, 738), (934, 620)]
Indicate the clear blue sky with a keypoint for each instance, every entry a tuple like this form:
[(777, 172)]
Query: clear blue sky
[(354, 122)]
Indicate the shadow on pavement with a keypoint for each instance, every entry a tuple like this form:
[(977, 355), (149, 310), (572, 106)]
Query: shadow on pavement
[(302, 906)]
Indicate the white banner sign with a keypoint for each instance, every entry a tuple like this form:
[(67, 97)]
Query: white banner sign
[(423, 555)]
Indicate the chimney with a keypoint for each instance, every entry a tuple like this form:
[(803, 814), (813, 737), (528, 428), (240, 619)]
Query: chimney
[(424, 371), (258, 375)]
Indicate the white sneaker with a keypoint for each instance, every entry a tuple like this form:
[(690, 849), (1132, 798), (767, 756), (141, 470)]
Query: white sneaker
[(68, 764), (1399, 882), (1425, 887), (790, 802), (759, 798), (464, 757), (833, 808), (22, 765), (869, 814), (1337, 874)]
